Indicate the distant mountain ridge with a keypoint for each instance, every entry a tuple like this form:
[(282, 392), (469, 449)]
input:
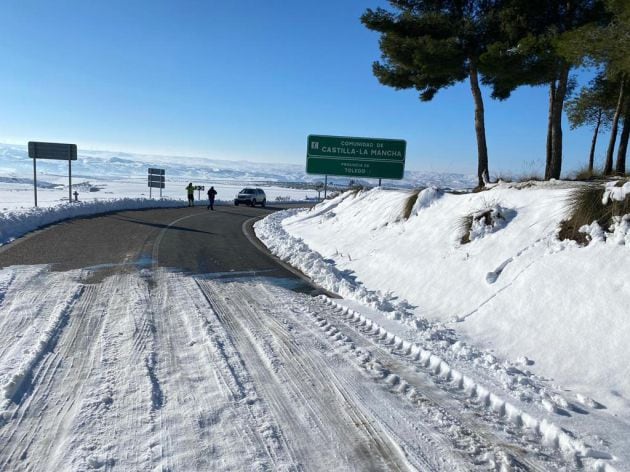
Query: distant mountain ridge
[(99, 165)]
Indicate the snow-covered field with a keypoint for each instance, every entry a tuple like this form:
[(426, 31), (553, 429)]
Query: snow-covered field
[(541, 322), (102, 175), (105, 176)]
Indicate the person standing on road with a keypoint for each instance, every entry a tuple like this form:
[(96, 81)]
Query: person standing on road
[(211, 194), (191, 194)]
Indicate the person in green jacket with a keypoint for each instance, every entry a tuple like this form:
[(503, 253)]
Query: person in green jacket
[(191, 194)]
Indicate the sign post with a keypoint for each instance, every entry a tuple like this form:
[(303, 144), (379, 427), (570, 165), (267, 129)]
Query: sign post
[(199, 188), (55, 151), (356, 157), (156, 180), (34, 178)]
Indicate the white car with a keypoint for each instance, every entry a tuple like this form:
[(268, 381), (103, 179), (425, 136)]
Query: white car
[(251, 197)]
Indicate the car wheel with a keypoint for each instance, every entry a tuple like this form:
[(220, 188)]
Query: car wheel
[(263, 203), (253, 203), (236, 203)]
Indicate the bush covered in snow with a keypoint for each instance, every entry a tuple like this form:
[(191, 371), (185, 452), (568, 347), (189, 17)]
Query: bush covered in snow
[(485, 221)]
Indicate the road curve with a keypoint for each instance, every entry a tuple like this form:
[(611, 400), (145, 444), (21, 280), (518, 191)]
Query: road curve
[(192, 240)]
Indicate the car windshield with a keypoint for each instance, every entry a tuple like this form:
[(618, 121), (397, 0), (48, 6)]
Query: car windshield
[(247, 190)]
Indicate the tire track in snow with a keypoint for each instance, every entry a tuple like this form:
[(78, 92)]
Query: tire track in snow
[(422, 437), (241, 380), (6, 279), (206, 422), (319, 417), (261, 374), (478, 450), (523, 435), (299, 361), (112, 426)]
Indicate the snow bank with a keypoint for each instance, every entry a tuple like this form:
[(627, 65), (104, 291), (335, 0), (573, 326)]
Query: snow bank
[(515, 291), (57, 319), (31, 324), (16, 224)]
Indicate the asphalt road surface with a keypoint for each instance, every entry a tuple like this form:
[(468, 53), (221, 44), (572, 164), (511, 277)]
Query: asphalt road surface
[(192, 240)]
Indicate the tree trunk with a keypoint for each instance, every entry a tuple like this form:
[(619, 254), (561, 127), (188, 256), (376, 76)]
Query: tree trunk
[(556, 132), (480, 128), (591, 155), (552, 95), (620, 167), (613, 130)]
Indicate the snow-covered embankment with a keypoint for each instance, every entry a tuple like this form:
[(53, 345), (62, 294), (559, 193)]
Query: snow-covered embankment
[(479, 292)]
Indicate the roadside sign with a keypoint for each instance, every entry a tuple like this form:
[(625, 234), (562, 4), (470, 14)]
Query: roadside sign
[(156, 180), (56, 151), (356, 157), (199, 188)]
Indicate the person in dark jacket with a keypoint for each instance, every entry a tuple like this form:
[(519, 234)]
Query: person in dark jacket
[(211, 194), (191, 194)]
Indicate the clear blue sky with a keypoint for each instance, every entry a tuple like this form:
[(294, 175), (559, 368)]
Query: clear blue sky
[(245, 80)]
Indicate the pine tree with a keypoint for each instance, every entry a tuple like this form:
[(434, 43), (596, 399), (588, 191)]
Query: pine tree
[(620, 166), (429, 45), (528, 54), (594, 106), (607, 45)]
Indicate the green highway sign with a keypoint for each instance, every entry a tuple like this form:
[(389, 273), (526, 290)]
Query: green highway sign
[(356, 157)]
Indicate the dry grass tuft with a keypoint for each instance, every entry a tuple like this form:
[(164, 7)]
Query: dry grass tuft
[(464, 227), (507, 178), (355, 189), (585, 174), (409, 203), (530, 178), (586, 207)]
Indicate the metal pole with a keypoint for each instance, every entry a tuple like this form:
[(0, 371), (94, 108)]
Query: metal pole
[(150, 188), (35, 179), (325, 186), (70, 180), (379, 182)]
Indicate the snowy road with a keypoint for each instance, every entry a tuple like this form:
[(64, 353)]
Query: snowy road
[(154, 369), (173, 372)]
